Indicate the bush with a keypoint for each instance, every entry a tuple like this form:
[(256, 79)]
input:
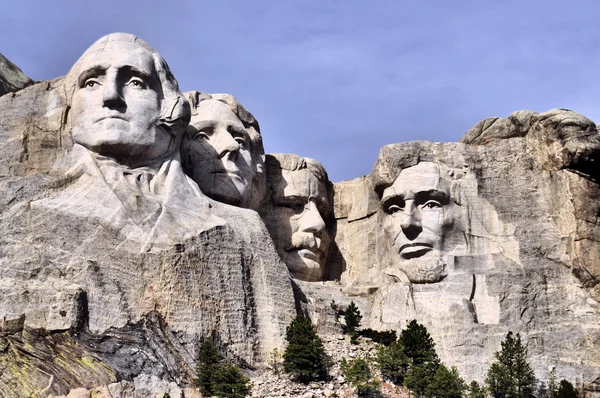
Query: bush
[(393, 362), (566, 390), (386, 337), (352, 317), (305, 357), (219, 379), (357, 373)]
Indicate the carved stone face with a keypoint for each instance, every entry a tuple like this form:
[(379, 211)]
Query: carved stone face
[(296, 223), (117, 103), (417, 218), (218, 147)]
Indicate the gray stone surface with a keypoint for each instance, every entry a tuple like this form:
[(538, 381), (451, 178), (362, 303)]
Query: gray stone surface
[(107, 242), (511, 243), (11, 77)]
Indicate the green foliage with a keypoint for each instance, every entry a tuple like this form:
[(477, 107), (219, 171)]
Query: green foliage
[(230, 382), (208, 360), (420, 376), (352, 317), (166, 395), (446, 383), (511, 376), (219, 379), (475, 390), (305, 357), (393, 362), (566, 390), (386, 337), (358, 374), (418, 344)]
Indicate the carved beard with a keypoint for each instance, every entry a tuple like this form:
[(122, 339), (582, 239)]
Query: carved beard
[(430, 268)]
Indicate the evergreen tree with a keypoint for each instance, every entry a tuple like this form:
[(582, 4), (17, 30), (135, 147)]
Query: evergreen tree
[(305, 357), (393, 362), (566, 390), (357, 373), (418, 344), (511, 376), (352, 316), (230, 382), (475, 390), (419, 377), (216, 379), (446, 383), (208, 360)]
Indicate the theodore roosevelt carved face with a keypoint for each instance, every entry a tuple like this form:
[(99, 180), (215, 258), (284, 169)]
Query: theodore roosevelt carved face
[(417, 218), (295, 213), (222, 150)]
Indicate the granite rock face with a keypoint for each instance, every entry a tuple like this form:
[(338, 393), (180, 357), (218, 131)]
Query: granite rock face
[(11, 77), (496, 233), (116, 265)]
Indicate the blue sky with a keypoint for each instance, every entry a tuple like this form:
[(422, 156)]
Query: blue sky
[(336, 80)]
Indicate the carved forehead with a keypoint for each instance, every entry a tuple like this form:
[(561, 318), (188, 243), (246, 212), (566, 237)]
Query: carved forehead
[(301, 183), (214, 110), (424, 177)]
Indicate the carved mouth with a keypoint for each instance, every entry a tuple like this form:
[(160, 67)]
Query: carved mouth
[(411, 250), (112, 117)]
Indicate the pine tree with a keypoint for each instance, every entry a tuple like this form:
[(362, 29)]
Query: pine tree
[(566, 390), (305, 357), (393, 362), (352, 316), (475, 390), (418, 344), (230, 382), (423, 360), (511, 376), (208, 359), (446, 383)]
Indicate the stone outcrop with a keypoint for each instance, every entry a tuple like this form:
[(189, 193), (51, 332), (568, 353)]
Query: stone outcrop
[(520, 253), (11, 77)]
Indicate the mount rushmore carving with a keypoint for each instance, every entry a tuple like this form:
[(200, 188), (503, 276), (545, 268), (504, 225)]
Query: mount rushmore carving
[(137, 220)]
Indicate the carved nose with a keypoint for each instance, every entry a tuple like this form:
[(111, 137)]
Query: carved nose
[(411, 223), (311, 219), (112, 95), (227, 145)]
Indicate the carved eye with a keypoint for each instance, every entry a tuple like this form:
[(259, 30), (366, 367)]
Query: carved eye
[(136, 82), (432, 204), (241, 141), (91, 83), (296, 205), (201, 135), (393, 209)]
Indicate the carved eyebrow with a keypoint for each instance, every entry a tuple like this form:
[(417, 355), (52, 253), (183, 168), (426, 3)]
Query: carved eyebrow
[(424, 196), (237, 129), (137, 72), (94, 71)]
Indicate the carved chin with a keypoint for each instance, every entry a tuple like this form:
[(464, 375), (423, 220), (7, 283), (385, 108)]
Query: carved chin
[(303, 266), (426, 269)]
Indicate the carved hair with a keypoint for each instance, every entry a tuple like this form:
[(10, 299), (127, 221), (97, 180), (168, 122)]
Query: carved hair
[(247, 119), (175, 110), (291, 162)]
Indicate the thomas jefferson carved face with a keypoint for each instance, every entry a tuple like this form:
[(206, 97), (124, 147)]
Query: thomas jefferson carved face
[(218, 147), (296, 223), (417, 218), (116, 104)]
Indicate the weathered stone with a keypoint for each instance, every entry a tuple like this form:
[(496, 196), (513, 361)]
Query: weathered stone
[(11, 77)]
